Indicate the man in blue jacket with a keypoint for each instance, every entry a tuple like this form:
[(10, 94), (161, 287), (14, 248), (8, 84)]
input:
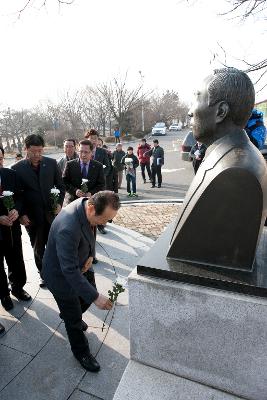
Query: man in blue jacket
[(67, 260)]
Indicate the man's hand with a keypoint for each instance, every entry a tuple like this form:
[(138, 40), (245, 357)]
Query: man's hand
[(58, 209), (79, 193), (103, 303), (4, 220), (24, 220), (88, 194), (87, 265), (13, 215)]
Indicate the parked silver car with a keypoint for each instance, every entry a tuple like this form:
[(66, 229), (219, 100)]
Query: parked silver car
[(159, 129)]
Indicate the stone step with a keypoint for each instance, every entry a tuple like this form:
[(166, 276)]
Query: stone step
[(140, 381)]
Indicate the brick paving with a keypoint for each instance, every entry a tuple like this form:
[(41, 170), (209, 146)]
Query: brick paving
[(148, 219)]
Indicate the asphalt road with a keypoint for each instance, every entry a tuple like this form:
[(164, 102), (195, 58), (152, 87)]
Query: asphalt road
[(176, 174)]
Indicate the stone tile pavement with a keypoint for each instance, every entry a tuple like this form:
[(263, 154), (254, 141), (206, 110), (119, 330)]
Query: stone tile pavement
[(148, 219), (35, 358)]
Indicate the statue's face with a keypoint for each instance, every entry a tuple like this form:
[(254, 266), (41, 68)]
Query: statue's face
[(204, 116)]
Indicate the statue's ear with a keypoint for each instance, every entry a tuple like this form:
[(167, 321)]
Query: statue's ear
[(222, 111)]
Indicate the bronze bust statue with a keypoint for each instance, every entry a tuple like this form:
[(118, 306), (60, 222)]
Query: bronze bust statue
[(224, 210)]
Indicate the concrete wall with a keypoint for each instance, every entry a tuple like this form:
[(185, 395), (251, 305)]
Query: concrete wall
[(209, 336)]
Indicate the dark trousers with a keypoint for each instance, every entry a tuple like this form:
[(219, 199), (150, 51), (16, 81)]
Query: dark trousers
[(117, 139), (156, 170), (71, 310), (147, 167), (131, 179), (38, 236), (14, 258)]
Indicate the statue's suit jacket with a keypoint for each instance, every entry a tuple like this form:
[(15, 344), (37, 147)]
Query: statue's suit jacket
[(70, 243), (225, 207), (36, 196)]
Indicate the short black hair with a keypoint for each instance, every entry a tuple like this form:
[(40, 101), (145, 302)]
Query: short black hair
[(87, 142), (91, 132), (2, 149), (155, 141), (34, 140), (130, 148), (19, 155), (70, 140), (103, 199), (143, 140)]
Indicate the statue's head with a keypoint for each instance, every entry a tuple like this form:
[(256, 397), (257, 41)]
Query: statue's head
[(225, 97)]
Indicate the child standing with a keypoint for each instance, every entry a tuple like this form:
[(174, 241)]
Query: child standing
[(131, 163)]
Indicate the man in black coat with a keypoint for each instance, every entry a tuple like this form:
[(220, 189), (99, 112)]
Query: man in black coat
[(37, 176), (83, 168), (10, 240), (99, 154)]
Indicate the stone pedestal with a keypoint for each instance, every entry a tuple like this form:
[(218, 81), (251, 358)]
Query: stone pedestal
[(214, 337)]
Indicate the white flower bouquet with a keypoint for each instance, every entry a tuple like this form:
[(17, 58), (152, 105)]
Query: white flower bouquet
[(9, 203), (54, 196), (84, 187)]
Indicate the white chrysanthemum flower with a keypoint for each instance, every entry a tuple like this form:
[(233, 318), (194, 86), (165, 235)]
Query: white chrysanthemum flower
[(84, 180), (54, 190), (7, 193)]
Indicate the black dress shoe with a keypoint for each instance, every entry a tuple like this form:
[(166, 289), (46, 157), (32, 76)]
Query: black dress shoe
[(7, 303), (159, 186), (84, 326), (2, 329), (88, 362), (95, 260), (153, 186), (21, 295), (102, 230), (41, 282)]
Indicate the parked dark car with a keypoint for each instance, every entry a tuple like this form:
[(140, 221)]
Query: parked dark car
[(188, 142)]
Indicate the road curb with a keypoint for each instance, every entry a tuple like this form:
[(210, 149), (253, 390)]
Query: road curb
[(149, 202)]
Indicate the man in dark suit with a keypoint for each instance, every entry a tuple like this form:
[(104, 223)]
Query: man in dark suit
[(68, 256), (37, 176), (83, 167), (10, 240), (70, 153), (99, 154)]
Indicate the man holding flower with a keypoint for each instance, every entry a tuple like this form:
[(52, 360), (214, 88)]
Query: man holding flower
[(38, 175), (68, 257), (10, 238)]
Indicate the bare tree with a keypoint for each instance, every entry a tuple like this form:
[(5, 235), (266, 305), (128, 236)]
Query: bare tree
[(42, 3), (167, 107), (119, 99)]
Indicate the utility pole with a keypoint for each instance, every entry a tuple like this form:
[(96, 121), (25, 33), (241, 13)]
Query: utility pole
[(142, 104)]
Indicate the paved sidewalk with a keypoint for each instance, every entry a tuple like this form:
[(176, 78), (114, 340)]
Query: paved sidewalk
[(148, 219), (36, 362)]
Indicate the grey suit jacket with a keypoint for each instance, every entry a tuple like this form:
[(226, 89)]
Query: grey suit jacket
[(225, 207), (71, 241), (36, 196)]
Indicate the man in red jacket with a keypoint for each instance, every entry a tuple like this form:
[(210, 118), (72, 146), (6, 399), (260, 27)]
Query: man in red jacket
[(144, 159)]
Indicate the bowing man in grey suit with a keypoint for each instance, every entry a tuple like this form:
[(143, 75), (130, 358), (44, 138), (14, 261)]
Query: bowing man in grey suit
[(67, 259), (37, 175)]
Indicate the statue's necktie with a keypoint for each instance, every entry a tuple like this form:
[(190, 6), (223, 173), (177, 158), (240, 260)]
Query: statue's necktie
[(84, 172)]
